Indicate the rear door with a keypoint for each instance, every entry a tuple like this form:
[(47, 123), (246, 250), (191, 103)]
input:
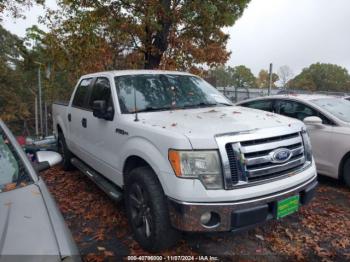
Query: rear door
[(78, 114), (321, 137)]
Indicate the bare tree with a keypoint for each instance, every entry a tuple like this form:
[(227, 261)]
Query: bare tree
[(285, 73)]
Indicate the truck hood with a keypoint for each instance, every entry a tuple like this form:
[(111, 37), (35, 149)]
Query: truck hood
[(201, 125), (25, 226)]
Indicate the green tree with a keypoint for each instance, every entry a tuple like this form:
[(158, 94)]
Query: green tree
[(322, 77), (242, 77), (222, 76), (13, 93), (172, 34), (263, 79)]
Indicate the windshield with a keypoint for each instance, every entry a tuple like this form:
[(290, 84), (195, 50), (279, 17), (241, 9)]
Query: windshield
[(12, 171), (340, 108), (165, 92)]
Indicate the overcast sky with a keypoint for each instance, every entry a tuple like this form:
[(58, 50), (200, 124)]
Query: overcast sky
[(296, 33)]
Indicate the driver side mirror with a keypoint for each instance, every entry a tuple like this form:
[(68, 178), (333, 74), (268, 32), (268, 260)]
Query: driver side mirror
[(313, 121), (46, 160), (100, 110)]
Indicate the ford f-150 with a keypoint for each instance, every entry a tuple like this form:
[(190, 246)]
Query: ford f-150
[(181, 155)]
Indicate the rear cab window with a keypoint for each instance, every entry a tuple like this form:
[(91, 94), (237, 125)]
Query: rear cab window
[(81, 94)]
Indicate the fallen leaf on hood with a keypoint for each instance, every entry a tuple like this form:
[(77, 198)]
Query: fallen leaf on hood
[(212, 111), (236, 112), (174, 124), (9, 187)]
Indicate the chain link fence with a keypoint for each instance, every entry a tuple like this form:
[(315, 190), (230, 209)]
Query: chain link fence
[(30, 127), (239, 94)]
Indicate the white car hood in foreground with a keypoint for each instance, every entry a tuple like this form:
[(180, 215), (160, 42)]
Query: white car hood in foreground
[(201, 125), (25, 226)]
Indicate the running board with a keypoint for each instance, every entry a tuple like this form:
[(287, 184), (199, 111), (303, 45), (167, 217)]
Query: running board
[(109, 188)]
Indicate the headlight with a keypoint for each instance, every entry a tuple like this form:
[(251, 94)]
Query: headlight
[(307, 145), (203, 165)]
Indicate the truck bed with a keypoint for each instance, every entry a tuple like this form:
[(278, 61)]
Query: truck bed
[(61, 103)]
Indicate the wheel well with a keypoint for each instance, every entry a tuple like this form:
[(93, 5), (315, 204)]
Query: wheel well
[(133, 162), (342, 163)]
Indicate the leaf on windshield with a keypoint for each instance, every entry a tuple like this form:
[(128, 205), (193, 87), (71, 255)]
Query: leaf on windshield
[(174, 124), (236, 112)]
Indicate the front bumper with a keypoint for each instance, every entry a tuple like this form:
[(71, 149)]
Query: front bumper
[(234, 216)]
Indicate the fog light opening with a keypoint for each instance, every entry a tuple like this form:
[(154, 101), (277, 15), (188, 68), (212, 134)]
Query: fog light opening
[(210, 219)]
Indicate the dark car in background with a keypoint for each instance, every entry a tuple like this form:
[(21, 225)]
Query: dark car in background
[(31, 226)]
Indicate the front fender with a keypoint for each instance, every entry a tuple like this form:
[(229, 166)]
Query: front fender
[(145, 149)]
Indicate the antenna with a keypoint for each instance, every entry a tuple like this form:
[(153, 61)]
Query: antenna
[(135, 105)]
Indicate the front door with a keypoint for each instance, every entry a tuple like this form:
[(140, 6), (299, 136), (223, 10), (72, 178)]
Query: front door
[(321, 137), (103, 140)]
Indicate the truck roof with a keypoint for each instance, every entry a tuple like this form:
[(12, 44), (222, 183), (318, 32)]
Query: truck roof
[(135, 72)]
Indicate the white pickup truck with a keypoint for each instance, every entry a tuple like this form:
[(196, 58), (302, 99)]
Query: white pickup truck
[(183, 157)]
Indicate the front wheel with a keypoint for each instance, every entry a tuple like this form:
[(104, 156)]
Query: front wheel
[(147, 211), (346, 172)]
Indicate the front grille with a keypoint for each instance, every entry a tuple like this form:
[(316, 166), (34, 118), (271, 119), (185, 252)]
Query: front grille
[(233, 163), (253, 161)]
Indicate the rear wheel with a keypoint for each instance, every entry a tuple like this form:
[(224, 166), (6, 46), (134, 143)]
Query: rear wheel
[(346, 172), (147, 211), (65, 152)]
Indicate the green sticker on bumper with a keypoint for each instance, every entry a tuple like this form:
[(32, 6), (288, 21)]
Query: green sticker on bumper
[(287, 206)]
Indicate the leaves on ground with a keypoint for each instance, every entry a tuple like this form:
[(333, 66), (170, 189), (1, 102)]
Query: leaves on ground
[(319, 231)]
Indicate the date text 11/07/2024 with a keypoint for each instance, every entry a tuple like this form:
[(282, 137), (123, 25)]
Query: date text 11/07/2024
[(172, 258)]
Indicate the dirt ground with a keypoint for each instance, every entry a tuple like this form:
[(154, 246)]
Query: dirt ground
[(319, 231)]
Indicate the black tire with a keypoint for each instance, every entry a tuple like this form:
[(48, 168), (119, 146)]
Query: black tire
[(346, 172), (147, 211), (65, 152)]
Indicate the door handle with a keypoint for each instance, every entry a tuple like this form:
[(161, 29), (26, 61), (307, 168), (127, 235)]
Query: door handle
[(69, 117), (84, 122)]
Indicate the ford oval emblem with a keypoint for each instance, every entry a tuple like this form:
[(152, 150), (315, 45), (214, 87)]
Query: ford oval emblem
[(280, 155)]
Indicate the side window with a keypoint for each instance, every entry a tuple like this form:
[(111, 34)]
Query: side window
[(81, 93), (265, 105), (295, 109), (101, 91)]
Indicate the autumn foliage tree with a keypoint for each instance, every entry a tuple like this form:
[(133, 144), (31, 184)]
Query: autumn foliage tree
[(171, 34), (263, 79)]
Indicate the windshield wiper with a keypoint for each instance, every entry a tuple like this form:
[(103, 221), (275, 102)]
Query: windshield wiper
[(153, 109), (224, 104), (202, 104)]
